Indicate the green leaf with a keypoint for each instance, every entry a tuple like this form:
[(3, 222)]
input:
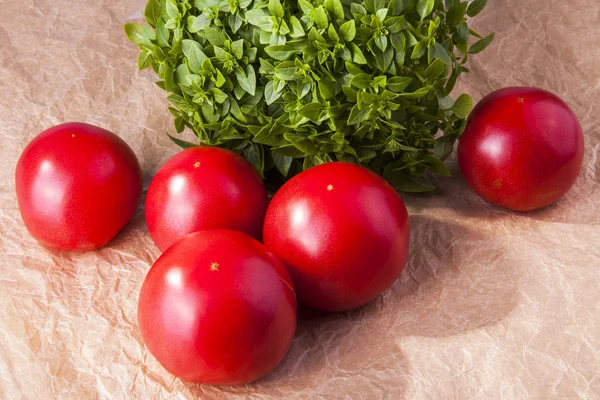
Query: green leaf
[(171, 8), (271, 94), (247, 79), (214, 36), (235, 22), (327, 88), (424, 7), (348, 30), (435, 70), (218, 95), (443, 147), (419, 50), (297, 29), (456, 14), (281, 52), (382, 13), (357, 55), (237, 48), (196, 24), (399, 42), (144, 60), (357, 9), (418, 94), (397, 84), (306, 6), (442, 54), (282, 163), (481, 44), (289, 150), (286, 71), (141, 35), (254, 154), (153, 11), (332, 34), (381, 42), (361, 81), (383, 59), (275, 8), (311, 111), (301, 143), (335, 8), (162, 34), (462, 32), (463, 106), (194, 54), (357, 116), (266, 67), (397, 6), (182, 143), (320, 17), (475, 7), (204, 4), (437, 166)]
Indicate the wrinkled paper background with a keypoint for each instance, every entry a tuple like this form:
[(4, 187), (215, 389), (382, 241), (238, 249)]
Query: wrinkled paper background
[(492, 304)]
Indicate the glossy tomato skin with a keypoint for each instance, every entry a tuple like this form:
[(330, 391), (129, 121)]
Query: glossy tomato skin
[(522, 148), (342, 231), (204, 188), (77, 186), (218, 308)]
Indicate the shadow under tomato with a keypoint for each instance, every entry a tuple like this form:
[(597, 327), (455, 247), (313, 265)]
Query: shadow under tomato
[(453, 193), (456, 280)]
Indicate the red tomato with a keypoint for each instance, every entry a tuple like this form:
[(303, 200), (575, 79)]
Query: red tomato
[(77, 186), (522, 148), (343, 233), (204, 188), (217, 307)]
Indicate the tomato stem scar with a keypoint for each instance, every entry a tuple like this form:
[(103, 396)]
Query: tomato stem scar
[(330, 187), (196, 164), (214, 266), (521, 100)]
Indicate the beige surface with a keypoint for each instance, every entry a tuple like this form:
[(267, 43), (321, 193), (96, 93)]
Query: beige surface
[(492, 305)]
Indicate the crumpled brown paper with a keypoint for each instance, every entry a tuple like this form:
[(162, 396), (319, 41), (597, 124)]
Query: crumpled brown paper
[(492, 304)]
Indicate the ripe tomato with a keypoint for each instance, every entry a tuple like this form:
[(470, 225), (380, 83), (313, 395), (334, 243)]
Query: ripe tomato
[(217, 307), (343, 233), (77, 186), (204, 188), (522, 148)]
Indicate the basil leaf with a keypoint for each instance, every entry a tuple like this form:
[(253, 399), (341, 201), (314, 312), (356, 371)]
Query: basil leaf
[(153, 11), (301, 143), (424, 7), (456, 14), (281, 53), (357, 115), (398, 83), (282, 163), (182, 143), (140, 34), (462, 106), (214, 36), (481, 44), (475, 7), (275, 8), (195, 56), (335, 8)]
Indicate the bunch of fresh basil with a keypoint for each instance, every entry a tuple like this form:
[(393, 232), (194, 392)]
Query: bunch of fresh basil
[(295, 83)]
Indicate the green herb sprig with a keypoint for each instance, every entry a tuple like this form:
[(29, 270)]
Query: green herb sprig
[(291, 84)]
